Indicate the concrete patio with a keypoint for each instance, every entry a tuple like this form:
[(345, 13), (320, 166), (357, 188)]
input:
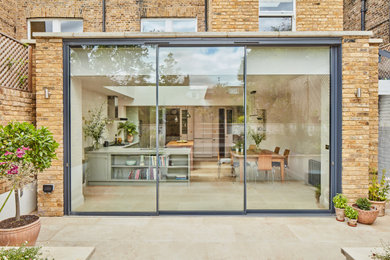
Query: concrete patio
[(212, 237)]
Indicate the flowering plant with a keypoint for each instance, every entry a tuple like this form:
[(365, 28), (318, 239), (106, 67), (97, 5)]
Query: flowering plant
[(24, 151), (95, 125)]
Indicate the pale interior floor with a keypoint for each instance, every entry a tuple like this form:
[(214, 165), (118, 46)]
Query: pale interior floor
[(205, 192)]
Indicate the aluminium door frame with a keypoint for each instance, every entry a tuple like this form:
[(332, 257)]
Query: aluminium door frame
[(335, 111)]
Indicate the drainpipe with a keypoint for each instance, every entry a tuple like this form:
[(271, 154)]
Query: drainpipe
[(363, 15), (104, 15), (205, 16)]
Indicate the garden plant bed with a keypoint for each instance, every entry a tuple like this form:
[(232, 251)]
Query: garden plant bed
[(12, 223)]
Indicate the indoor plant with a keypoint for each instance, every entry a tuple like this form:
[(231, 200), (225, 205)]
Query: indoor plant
[(377, 193), (129, 128), (367, 212), (352, 216), (24, 151), (340, 202), (95, 125), (258, 137)]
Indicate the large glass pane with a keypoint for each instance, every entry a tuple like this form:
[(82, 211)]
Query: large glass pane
[(275, 24), (153, 25), (184, 25), (276, 5), (201, 97), (288, 127), (113, 128)]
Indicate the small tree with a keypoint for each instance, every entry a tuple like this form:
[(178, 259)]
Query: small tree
[(24, 151)]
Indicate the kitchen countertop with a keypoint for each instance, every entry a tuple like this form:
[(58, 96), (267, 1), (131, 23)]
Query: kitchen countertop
[(129, 150), (177, 144)]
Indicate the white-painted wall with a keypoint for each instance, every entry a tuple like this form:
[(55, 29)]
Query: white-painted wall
[(28, 202)]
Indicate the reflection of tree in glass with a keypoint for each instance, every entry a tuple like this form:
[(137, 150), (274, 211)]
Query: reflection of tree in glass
[(126, 65), (285, 25), (170, 73)]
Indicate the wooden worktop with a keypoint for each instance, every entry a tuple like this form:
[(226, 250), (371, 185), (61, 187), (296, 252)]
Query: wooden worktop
[(176, 144)]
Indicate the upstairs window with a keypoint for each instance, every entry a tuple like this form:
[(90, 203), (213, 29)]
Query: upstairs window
[(276, 15), (54, 25), (169, 25)]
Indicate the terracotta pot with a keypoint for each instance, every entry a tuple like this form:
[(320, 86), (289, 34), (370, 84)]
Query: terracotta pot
[(18, 236), (352, 222), (340, 214), (130, 138), (367, 216), (381, 206)]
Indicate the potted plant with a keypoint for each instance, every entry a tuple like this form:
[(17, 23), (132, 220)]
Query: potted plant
[(257, 137), (318, 193), (377, 193), (24, 151), (95, 126), (367, 212), (129, 128), (352, 216), (340, 202)]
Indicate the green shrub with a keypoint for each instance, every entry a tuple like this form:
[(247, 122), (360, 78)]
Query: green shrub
[(386, 252), (363, 204), (351, 213), (378, 190), (21, 253), (340, 201)]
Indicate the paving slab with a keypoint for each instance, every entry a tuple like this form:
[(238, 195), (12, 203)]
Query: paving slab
[(360, 253)]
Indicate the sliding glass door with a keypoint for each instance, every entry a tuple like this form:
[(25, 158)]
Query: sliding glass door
[(201, 108), (199, 129)]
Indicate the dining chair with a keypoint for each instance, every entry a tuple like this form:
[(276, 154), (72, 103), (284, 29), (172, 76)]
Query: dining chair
[(264, 163), (286, 154), (277, 150), (227, 161), (276, 164)]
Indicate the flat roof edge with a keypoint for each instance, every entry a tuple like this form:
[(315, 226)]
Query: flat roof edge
[(113, 35)]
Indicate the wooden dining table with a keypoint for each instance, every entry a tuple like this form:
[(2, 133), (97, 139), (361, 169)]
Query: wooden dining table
[(252, 155)]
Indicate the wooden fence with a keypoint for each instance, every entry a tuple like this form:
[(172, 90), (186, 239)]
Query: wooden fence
[(15, 64)]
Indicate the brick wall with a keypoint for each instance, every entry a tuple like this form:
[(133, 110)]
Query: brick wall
[(49, 113), (234, 15), (317, 15), (360, 115), (120, 15), (377, 18), (8, 17)]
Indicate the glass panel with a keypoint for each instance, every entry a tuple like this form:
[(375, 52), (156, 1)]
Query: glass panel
[(151, 25), (288, 93), (71, 26), (198, 173), (113, 128), (275, 24), (42, 26), (185, 25), (276, 5)]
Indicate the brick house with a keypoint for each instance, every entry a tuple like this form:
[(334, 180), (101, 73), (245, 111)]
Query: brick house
[(373, 16), (238, 106)]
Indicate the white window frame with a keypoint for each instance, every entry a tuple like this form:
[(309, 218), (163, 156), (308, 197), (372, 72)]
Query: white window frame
[(56, 23), (291, 14), (169, 22)]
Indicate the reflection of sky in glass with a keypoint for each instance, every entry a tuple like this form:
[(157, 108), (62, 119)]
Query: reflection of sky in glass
[(272, 24), (276, 5), (207, 65), (153, 26), (184, 26), (71, 26)]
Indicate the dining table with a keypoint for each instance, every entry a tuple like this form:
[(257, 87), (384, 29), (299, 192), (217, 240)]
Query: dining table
[(253, 155)]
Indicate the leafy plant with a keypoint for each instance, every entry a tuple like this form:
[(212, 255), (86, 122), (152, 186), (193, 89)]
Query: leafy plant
[(378, 190), (257, 136), (318, 192), (351, 213), (128, 127), (95, 125), (363, 204), (340, 201), (24, 151), (373, 171), (21, 253)]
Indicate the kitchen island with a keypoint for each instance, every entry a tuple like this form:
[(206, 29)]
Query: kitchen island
[(121, 165)]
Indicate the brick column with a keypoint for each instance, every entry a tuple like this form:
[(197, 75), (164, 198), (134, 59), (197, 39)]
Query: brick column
[(49, 113), (356, 117)]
